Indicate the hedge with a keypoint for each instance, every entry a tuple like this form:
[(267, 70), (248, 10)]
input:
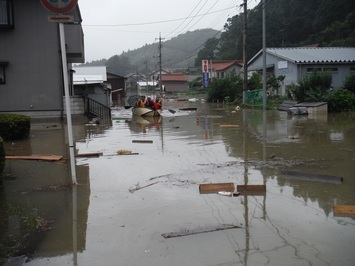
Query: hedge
[(14, 126)]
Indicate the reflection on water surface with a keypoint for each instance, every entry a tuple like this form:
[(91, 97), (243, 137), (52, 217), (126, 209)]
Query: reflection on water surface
[(292, 223)]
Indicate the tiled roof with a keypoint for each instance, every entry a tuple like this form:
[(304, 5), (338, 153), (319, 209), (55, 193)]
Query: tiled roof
[(315, 55), (225, 64)]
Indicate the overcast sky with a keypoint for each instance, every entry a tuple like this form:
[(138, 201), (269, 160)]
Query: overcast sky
[(113, 26)]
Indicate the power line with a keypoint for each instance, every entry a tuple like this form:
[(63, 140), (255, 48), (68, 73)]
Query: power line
[(156, 22), (184, 19)]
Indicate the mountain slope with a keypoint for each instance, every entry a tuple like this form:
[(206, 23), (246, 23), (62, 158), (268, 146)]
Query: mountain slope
[(176, 53)]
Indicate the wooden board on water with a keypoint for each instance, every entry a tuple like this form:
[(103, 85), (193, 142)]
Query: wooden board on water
[(215, 187), (94, 154), (223, 125), (35, 157), (344, 210), (251, 189), (142, 141)]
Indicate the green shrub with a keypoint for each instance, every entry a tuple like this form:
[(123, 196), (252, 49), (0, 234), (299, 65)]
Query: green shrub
[(340, 101), (312, 88), (14, 126), (349, 83), (2, 156), (224, 89), (255, 82)]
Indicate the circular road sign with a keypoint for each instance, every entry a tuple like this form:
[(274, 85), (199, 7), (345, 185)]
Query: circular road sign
[(59, 6)]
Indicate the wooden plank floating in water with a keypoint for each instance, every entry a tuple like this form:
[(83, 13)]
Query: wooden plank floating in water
[(94, 154), (142, 141), (312, 177), (200, 230), (35, 157), (343, 210), (216, 187), (251, 189), (222, 125), (188, 109)]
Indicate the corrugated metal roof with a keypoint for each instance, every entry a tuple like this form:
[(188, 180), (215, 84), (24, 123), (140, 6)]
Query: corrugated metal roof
[(315, 55), (173, 77), (87, 79), (90, 71)]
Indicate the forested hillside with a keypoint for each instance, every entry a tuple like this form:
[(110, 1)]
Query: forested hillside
[(289, 23), (176, 53)]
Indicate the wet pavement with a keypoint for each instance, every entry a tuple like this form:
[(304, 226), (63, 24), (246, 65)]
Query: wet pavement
[(123, 204)]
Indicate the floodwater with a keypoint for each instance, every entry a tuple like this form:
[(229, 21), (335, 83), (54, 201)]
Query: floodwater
[(124, 204)]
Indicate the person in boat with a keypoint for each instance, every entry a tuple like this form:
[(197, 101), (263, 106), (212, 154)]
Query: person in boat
[(141, 102), (157, 104), (149, 103)]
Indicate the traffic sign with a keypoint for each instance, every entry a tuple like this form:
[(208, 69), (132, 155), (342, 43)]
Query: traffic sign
[(205, 78), (61, 18), (204, 66), (59, 6)]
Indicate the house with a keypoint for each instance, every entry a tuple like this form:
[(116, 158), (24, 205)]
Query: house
[(91, 82), (297, 63), (31, 80), (224, 68), (173, 82), (146, 85), (154, 76), (118, 86)]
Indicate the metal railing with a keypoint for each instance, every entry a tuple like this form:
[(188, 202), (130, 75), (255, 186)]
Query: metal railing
[(97, 109)]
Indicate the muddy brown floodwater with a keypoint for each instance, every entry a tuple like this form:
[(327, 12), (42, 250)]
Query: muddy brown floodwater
[(124, 205)]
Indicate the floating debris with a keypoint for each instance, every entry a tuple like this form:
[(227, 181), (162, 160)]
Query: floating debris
[(123, 152), (35, 157), (228, 193), (343, 210), (312, 177), (251, 189), (216, 187), (94, 154), (224, 125), (200, 230), (138, 187), (142, 141)]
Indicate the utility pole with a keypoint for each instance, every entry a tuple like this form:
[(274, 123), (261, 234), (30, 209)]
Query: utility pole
[(264, 56), (146, 74), (245, 63), (160, 63)]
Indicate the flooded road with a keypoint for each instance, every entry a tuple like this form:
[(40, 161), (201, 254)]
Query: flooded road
[(124, 204)]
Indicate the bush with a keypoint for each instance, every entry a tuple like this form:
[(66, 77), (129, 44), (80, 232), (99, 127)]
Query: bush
[(224, 89), (340, 101), (2, 156), (14, 126), (312, 88), (349, 83)]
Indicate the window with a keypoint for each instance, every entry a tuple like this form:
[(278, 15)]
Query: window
[(3, 64), (324, 69), (6, 14), (313, 69)]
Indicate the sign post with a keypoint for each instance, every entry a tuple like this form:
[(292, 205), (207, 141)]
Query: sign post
[(61, 7), (205, 74)]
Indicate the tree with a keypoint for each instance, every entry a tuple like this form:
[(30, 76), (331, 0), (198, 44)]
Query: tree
[(208, 51)]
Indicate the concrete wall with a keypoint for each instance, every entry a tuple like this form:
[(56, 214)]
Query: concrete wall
[(34, 72), (294, 73)]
